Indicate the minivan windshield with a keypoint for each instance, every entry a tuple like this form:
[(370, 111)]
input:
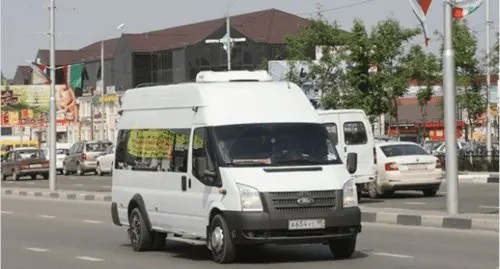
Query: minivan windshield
[(97, 147), (274, 144)]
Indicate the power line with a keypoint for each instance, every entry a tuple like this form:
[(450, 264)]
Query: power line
[(337, 8)]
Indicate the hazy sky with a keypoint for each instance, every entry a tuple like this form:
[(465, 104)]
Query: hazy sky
[(79, 23)]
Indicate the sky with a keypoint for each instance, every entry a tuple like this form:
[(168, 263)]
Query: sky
[(24, 23)]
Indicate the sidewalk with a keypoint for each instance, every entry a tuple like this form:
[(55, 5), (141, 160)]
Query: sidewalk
[(396, 216), (439, 219)]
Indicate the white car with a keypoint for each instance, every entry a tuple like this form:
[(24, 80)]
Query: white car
[(105, 161), (405, 166), (62, 150)]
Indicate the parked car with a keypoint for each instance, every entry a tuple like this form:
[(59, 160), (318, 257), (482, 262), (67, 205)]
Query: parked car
[(82, 157), (105, 161), (441, 150), (405, 166), (25, 162), (62, 150)]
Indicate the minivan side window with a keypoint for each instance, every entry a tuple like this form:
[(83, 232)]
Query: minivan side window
[(332, 133), (200, 147), (152, 150), (355, 133)]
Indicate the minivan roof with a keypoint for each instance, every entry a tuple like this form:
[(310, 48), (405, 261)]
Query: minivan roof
[(341, 111), (226, 103)]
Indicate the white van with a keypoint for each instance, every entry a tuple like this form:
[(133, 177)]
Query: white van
[(351, 131), (233, 159)]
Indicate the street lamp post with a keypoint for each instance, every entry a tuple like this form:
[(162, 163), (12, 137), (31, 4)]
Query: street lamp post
[(52, 100), (449, 113)]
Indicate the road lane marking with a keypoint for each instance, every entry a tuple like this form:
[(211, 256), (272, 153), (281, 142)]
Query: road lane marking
[(105, 186), (488, 206), (92, 221), (30, 183), (46, 216), (392, 255), (441, 192), (72, 177), (77, 185), (415, 203), (6, 212), (90, 259), (9, 182), (37, 249)]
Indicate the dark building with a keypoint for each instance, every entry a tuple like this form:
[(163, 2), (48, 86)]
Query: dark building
[(177, 54), (22, 76)]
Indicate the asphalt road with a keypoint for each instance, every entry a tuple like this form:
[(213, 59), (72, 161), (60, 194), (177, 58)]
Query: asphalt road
[(68, 234), (474, 198)]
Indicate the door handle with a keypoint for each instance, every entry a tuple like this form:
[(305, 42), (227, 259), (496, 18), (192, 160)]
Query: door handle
[(345, 149), (183, 183), (189, 183)]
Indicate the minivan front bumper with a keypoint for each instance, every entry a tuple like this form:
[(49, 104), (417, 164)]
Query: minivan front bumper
[(265, 228)]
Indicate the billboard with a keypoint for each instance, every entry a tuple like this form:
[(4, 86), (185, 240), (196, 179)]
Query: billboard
[(29, 105)]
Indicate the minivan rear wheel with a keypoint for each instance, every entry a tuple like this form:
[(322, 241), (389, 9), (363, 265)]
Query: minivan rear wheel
[(430, 192), (79, 170), (343, 248), (220, 242)]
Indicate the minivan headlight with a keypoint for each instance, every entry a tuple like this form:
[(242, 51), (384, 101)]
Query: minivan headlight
[(350, 194), (250, 198)]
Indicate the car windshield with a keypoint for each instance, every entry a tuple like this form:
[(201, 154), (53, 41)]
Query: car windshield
[(275, 145), (403, 150), (31, 154), (97, 147)]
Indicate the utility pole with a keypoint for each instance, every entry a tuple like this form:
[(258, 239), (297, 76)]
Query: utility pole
[(498, 88), (449, 113), (488, 83), (52, 116), (102, 91)]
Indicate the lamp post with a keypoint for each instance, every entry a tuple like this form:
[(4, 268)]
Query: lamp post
[(449, 112), (103, 84), (52, 101)]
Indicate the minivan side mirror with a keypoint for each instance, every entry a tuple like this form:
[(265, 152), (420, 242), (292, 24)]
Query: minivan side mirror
[(201, 171), (352, 162)]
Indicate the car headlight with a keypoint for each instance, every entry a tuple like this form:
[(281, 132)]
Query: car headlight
[(350, 194), (250, 198)]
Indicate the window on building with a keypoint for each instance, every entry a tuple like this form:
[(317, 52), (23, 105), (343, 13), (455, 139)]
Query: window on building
[(152, 150), (355, 133)]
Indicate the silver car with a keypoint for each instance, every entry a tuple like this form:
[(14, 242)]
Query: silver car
[(82, 157)]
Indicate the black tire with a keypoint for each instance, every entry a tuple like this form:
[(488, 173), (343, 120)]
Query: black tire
[(65, 170), (430, 192), (360, 193), (4, 177), (79, 170), (387, 194), (33, 177), (98, 170), (59, 171), (15, 175), (373, 191), (343, 248), (140, 237), (159, 241), (45, 175), (220, 242)]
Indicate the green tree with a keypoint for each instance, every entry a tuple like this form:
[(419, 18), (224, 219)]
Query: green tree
[(425, 69), (467, 69)]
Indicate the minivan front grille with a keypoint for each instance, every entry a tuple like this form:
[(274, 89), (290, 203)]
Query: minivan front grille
[(307, 201)]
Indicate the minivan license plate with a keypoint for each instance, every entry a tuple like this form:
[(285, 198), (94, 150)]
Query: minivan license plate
[(36, 166), (306, 224)]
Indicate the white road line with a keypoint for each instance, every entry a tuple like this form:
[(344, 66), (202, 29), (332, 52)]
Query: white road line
[(92, 221), (30, 183), (46, 216), (37, 249), (392, 255), (90, 259), (105, 186), (77, 185), (415, 203), (441, 192), (6, 212), (488, 206), (72, 177), (9, 182)]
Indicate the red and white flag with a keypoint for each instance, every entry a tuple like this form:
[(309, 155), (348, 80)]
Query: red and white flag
[(39, 74), (421, 8), (466, 7)]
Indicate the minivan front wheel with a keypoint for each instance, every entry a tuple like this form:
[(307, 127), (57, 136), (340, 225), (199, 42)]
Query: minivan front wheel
[(220, 241), (343, 248), (79, 170), (140, 237)]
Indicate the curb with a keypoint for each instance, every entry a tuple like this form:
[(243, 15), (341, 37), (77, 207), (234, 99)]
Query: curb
[(478, 179), (436, 221), (58, 195)]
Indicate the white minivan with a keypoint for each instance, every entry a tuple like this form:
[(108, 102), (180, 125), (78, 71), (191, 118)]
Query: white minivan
[(233, 159), (350, 131)]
